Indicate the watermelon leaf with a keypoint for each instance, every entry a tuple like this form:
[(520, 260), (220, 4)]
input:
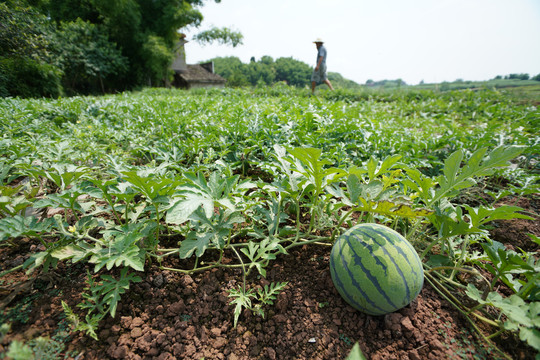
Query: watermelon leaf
[(521, 316), (375, 170), (222, 192), (213, 230), (121, 250), (456, 177), (356, 353)]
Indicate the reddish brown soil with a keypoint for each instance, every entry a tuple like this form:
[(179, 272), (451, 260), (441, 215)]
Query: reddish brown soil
[(174, 316)]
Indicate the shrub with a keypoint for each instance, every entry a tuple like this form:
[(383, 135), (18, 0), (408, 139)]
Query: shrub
[(26, 77)]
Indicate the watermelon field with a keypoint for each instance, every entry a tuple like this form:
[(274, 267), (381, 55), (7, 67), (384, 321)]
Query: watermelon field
[(172, 224)]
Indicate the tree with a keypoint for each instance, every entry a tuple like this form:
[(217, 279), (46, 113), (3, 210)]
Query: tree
[(86, 56), (266, 71), (536, 78), (25, 68), (518, 77), (146, 32), (293, 72), (267, 60), (259, 72), (23, 32), (221, 35)]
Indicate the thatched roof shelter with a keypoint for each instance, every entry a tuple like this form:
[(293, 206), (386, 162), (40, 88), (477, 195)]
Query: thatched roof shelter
[(196, 76)]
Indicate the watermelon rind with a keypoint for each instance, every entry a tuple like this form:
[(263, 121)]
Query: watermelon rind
[(375, 269)]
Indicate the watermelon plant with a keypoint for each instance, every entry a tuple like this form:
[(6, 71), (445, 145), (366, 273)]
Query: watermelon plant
[(234, 178)]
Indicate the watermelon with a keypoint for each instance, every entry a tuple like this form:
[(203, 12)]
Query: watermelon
[(375, 269)]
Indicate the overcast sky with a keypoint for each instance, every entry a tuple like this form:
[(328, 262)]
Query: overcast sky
[(429, 40)]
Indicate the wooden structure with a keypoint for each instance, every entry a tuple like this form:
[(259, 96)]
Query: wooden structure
[(193, 76)]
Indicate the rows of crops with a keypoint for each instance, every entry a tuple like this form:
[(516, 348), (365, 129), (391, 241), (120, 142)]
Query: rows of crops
[(249, 174)]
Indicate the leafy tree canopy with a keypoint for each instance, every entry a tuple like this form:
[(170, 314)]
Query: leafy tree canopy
[(121, 43), (266, 71)]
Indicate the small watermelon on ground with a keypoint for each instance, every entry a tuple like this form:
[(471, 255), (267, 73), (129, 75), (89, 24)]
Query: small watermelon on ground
[(375, 269)]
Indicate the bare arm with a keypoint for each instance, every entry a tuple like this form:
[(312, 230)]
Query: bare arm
[(319, 63)]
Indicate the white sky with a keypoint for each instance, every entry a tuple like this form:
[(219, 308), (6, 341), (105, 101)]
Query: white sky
[(430, 40)]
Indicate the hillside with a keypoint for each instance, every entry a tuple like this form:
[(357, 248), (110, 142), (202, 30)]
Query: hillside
[(266, 71)]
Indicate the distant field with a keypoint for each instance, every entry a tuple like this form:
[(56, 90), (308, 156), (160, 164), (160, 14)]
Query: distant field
[(490, 84), (528, 92)]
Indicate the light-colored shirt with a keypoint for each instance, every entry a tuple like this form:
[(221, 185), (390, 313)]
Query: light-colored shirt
[(321, 52)]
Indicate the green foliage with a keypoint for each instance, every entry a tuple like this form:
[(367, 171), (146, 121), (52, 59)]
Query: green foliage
[(121, 250), (356, 353), (293, 72), (266, 71), (234, 178), (521, 316), (243, 299), (26, 77), (232, 69), (20, 351), (93, 46), (24, 32), (520, 272), (216, 192), (24, 48), (42, 348), (338, 81), (517, 76), (101, 298), (158, 56), (222, 35), (386, 84), (86, 56), (17, 225)]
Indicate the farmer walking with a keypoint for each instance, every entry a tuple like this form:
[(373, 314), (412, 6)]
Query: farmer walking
[(319, 73)]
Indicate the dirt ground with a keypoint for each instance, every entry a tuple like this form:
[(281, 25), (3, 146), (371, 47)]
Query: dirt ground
[(174, 316)]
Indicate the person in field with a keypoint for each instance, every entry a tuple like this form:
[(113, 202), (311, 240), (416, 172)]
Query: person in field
[(319, 73)]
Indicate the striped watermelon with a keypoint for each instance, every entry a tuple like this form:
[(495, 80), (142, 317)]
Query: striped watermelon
[(375, 269)]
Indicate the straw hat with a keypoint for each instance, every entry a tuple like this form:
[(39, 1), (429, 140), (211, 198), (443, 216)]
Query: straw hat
[(319, 40)]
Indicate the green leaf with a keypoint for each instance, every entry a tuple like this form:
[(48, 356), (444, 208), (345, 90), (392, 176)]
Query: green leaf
[(194, 242), (122, 250), (423, 185), (16, 226), (241, 300), (67, 252), (217, 192), (267, 295), (456, 178), (356, 353), (20, 351), (531, 336), (375, 170), (111, 289), (519, 313), (354, 188), (213, 230), (312, 167), (482, 215), (150, 186), (389, 208), (180, 212)]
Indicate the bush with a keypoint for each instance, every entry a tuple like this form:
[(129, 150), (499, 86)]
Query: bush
[(26, 77)]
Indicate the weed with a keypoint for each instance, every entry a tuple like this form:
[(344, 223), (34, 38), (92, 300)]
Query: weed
[(345, 339)]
